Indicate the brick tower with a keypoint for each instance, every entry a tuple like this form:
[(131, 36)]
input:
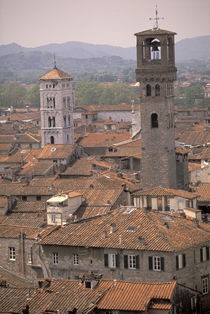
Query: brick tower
[(156, 73), (56, 106)]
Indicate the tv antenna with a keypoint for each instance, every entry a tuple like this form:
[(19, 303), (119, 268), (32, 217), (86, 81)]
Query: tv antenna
[(156, 18)]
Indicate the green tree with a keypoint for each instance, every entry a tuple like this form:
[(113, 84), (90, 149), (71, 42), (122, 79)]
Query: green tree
[(12, 95), (33, 96)]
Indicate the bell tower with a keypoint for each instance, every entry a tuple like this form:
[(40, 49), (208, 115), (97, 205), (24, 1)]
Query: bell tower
[(56, 106), (156, 73)]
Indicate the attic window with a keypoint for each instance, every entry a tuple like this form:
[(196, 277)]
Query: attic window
[(131, 228), (88, 284)]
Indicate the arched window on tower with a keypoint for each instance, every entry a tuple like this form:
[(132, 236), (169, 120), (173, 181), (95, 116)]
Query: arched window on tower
[(49, 122), (154, 120), (69, 121), (157, 90), (52, 140), (53, 121), (64, 120), (148, 90)]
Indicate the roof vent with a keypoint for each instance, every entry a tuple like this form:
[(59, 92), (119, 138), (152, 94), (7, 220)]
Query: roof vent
[(165, 225), (53, 149), (113, 228)]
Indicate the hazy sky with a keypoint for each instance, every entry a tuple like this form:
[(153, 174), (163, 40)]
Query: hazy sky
[(32, 23)]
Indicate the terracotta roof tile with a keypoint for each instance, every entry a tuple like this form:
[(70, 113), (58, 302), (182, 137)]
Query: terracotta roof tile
[(135, 296), (55, 74), (103, 139), (204, 192), (161, 191), (148, 232), (58, 151)]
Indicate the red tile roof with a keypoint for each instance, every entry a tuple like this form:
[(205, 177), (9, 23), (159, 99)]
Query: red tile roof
[(148, 232), (135, 296), (58, 151), (55, 74), (161, 191), (103, 139)]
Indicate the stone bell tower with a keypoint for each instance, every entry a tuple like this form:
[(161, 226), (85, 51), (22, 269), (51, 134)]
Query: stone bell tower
[(56, 106), (156, 73)]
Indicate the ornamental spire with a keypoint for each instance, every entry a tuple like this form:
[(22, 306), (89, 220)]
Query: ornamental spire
[(156, 18)]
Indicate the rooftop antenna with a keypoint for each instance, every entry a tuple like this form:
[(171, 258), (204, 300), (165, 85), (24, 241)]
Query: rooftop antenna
[(156, 18), (54, 62)]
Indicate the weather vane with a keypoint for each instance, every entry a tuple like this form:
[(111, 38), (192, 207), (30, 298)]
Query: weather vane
[(156, 18)]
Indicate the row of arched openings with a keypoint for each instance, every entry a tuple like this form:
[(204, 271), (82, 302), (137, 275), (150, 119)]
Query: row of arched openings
[(149, 90)]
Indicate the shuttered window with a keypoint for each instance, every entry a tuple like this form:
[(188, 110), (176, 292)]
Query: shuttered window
[(156, 263), (131, 261)]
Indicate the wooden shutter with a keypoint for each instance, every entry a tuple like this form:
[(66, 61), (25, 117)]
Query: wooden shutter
[(162, 263), (117, 260), (150, 263), (106, 260), (207, 253), (177, 262), (125, 261), (184, 260), (201, 254), (137, 261)]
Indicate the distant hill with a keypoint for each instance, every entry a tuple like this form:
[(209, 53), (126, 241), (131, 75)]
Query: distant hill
[(197, 48), (187, 49), (82, 59)]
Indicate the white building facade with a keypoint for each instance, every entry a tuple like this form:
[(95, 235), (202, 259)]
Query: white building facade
[(56, 106)]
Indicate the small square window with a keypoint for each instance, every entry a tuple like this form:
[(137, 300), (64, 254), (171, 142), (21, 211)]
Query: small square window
[(75, 259), (38, 198), (12, 256), (132, 261), (24, 198), (156, 263), (205, 284), (55, 258), (53, 218)]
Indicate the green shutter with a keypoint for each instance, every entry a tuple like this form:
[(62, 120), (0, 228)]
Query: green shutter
[(117, 260), (150, 263), (177, 262), (125, 261), (137, 261), (162, 263), (184, 260), (106, 261)]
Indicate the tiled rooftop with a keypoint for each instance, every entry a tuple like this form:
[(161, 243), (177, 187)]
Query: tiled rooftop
[(204, 192), (55, 74), (103, 139), (58, 151), (67, 295), (161, 191), (36, 168), (148, 232)]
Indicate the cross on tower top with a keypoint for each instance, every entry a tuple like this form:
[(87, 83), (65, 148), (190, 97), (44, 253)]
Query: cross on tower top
[(156, 18)]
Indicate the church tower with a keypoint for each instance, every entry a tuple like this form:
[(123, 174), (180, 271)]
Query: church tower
[(56, 106), (156, 73)]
